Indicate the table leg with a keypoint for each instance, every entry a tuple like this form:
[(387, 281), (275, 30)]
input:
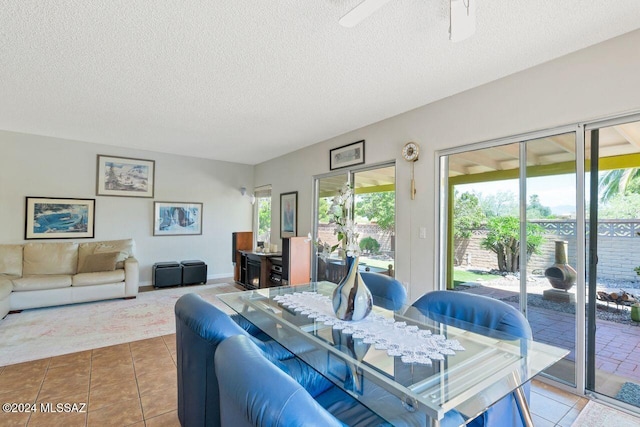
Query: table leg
[(521, 400)]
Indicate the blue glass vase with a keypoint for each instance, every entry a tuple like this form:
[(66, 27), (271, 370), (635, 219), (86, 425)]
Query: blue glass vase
[(351, 299)]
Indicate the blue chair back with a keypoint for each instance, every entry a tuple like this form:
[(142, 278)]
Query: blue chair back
[(496, 319), (387, 292), (255, 392), (200, 327)]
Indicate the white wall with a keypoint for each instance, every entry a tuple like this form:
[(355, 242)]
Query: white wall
[(593, 83), (40, 166)]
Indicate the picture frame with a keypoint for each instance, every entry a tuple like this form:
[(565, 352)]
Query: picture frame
[(125, 177), (347, 155), (177, 218), (59, 218), (288, 214)]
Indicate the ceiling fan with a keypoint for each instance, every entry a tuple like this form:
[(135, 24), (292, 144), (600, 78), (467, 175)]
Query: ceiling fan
[(462, 23)]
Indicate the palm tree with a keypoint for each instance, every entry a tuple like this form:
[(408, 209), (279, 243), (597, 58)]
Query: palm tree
[(616, 181)]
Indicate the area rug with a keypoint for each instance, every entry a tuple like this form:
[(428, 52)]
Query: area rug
[(46, 332), (599, 415), (630, 393)]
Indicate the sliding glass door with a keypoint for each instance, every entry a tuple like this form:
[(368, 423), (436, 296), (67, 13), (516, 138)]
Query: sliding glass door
[(613, 333), (373, 211), (511, 232)]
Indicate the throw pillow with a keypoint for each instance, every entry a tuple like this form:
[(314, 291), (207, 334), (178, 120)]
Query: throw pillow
[(99, 262)]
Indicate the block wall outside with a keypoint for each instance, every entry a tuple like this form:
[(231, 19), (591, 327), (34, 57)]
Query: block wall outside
[(618, 248), (325, 233)]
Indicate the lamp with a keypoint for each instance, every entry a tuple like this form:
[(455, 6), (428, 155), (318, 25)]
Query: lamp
[(463, 19), (243, 191)]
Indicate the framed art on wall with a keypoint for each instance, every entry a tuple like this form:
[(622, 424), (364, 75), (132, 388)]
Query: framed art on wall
[(177, 219), (347, 155), (121, 176), (59, 218), (289, 214)]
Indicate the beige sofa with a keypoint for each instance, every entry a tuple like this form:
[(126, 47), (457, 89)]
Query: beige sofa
[(46, 274)]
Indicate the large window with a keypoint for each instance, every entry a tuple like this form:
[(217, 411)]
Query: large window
[(262, 215)]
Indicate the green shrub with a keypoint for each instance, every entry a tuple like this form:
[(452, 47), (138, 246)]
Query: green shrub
[(369, 244), (504, 240)]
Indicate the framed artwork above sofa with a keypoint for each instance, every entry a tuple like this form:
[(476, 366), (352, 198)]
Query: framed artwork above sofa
[(122, 176), (59, 218)]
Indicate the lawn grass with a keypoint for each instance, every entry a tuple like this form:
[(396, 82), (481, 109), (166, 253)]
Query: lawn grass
[(462, 276)]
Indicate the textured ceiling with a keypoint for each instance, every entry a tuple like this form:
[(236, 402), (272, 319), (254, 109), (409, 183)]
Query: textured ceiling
[(247, 81)]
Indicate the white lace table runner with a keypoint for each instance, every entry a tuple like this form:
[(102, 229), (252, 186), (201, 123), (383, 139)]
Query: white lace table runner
[(412, 344)]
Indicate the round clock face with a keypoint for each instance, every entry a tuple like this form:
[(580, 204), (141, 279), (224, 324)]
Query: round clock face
[(410, 151)]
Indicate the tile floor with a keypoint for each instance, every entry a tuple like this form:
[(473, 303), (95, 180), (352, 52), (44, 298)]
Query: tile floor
[(134, 384), (131, 384)]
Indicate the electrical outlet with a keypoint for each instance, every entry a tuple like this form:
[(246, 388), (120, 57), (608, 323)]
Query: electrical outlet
[(423, 232)]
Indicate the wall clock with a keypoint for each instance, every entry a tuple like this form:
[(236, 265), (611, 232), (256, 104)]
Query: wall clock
[(410, 153)]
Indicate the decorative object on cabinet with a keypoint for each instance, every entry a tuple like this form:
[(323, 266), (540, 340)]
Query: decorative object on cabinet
[(288, 214), (177, 219), (121, 176), (59, 218), (296, 261), (347, 155)]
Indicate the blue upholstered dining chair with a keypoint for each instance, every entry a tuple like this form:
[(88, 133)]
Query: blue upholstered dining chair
[(200, 327), (496, 319), (387, 292), (255, 392)]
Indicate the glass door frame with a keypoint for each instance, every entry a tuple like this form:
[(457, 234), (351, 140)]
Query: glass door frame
[(444, 240), (594, 167), (349, 173)]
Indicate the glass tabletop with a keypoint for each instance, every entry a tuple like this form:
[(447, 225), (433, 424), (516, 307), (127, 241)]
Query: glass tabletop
[(381, 360)]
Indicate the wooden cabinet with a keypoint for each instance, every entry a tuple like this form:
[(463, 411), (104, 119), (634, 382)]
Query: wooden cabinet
[(296, 260), (256, 269), (241, 241)]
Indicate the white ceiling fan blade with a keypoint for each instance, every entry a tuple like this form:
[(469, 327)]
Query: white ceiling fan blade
[(462, 19), (360, 12)]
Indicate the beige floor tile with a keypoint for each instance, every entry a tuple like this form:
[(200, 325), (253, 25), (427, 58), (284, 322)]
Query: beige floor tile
[(111, 394), (569, 418), (156, 366), (101, 377), (170, 419), (155, 382), (159, 402), (547, 408), (541, 422), (15, 419), (554, 393), (54, 389), (120, 414), (73, 412), (24, 395), (14, 383), (71, 359), (74, 372)]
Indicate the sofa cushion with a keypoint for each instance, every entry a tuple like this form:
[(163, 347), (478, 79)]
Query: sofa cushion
[(11, 260), (50, 258), (124, 247), (98, 278), (39, 282), (99, 262), (6, 286)]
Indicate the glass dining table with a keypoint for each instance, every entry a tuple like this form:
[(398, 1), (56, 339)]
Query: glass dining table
[(405, 366)]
